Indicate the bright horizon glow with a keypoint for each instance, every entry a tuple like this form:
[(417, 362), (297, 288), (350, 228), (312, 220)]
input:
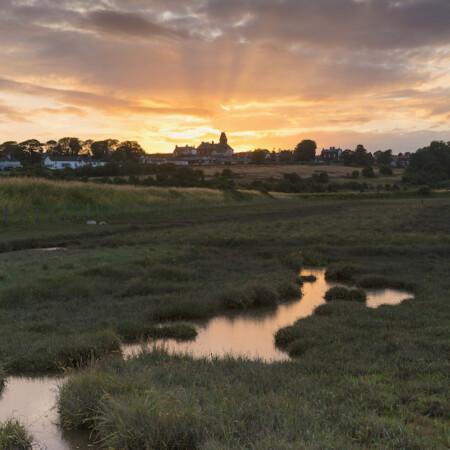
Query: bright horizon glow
[(180, 72)]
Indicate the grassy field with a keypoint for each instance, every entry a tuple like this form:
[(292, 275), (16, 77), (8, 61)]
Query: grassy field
[(38, 191), (360, 377), (337, 174)]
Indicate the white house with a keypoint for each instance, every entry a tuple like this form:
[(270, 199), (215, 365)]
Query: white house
[(8, 162), (54, 162)]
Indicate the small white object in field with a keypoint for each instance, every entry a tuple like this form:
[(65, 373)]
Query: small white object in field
[(91, 222), (102, 223)]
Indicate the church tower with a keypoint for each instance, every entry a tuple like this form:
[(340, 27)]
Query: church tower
[(223, 139)]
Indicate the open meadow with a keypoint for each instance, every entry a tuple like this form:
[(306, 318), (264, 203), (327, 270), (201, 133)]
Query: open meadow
[(359, 377), (337, 174)]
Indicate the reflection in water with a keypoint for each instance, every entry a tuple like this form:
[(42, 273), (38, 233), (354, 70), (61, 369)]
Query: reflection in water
[(252, 334), (32, 401)]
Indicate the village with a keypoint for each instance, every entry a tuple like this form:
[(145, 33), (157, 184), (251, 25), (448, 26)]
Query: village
[(205, 154)]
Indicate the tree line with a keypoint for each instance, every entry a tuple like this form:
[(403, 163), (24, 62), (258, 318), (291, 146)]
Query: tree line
[(29, 152)]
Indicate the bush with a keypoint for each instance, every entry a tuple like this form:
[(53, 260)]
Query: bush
[(424, 190), (386, 170), (368, 172), (342, 293), (355, 174), (14, 436), (321, 177)]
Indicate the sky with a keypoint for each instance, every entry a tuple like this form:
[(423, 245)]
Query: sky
[(269, 73)]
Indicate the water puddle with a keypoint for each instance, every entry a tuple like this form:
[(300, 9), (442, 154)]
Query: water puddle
[(32, 401), (251, 334)]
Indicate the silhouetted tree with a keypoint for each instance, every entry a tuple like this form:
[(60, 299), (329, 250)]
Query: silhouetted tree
[(384, 157), (429, 165), (258, 156), (128, 151), (286, 156), (362, 157), (69, 146), (305, 150), (102, 149)]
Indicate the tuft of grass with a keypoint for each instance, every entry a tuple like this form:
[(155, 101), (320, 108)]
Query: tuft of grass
[(288, 290), (158, 419), (307, 278), (14, 436), (181, 331), (313, 258), (342, 272), (253, 295), (342, 293), (380, 282)]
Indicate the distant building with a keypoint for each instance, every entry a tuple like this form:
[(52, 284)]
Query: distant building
[(330, 155), (187, 150), (207, 153), (56, 162), (221, 149), (8, 162)]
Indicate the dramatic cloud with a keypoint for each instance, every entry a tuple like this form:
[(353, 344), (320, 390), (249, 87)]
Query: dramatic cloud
[(269, 72)]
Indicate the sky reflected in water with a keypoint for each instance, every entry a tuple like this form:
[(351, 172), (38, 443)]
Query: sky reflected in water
[(251, 334)]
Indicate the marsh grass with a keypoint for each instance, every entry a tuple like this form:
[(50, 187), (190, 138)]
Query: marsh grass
[(361, 377), (181, 331), (14, 436), (156, 400), (342, 293), (307, 278), (2, 378)]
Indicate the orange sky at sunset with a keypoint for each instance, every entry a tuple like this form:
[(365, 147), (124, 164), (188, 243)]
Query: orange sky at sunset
[(268, 72)]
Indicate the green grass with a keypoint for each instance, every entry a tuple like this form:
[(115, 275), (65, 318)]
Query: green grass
[(360, 377), (14, 436), (342, 293)]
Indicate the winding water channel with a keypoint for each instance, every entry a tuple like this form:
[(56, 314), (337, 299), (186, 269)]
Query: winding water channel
[(250, 334)]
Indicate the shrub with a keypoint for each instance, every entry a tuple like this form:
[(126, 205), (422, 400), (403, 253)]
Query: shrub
[(355, 174), (424, 190), (14, 436), (321, 177), (386, 170), (368, 172), (342, 293)]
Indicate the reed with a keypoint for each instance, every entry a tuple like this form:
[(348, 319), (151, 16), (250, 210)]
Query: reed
[(14, 436)]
